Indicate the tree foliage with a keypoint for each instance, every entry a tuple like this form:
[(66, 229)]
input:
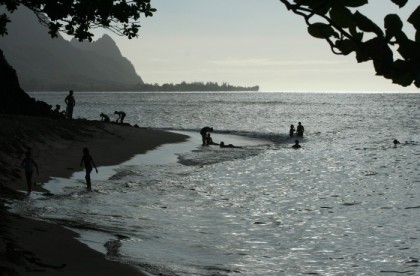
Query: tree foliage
[(78, 17), (395, 56), (193, 87)]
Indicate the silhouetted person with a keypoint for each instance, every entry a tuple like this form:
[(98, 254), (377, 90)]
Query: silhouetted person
[(59, 113), (300, 129), (56, 111), (296, 145), (29, 164), (87, 161), (70, 102), (222, 145), (203, 133), (121, 116), (292, 130), (209, 140), (105, 118), (396, 142)]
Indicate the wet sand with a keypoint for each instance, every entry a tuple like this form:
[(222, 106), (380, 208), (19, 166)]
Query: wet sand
[(29, 246)]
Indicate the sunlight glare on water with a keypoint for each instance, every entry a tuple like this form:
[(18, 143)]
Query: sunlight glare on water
[(347, 203)]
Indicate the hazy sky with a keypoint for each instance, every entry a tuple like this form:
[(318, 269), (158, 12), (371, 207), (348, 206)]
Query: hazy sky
[(248, 42)]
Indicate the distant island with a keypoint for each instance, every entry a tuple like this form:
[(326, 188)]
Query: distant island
[(193, 87), (45, 64)]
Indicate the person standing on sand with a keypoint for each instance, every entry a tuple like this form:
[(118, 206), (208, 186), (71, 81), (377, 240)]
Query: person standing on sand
[(70, 102), (203, 133), (87, 160), (29, 163)]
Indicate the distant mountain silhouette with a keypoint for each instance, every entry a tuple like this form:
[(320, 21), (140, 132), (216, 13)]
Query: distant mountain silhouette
[(46, 64)]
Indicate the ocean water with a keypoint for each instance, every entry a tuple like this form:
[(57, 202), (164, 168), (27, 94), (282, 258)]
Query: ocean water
[(346, 203)]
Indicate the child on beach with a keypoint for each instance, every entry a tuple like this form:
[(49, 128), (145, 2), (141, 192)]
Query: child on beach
[(87, 160), (29, 163)]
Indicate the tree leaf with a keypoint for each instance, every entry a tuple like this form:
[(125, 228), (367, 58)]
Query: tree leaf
[(318, 7), (400, 3), (403, 75), (361, 55), (381, 54), (409, 49), (354, 3), (356, 35), (415, 18), (342, 16), (321, 30), (393, 24), (367, 25), (403, 80), (346, 46)]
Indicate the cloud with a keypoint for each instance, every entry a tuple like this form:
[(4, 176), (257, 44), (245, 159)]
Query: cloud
[(271, 62), (160, 60)]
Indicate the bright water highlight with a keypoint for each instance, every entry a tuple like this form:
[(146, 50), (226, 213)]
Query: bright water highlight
[(347, 203)]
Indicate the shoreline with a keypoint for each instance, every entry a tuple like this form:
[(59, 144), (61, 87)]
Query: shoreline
[(30, 246)]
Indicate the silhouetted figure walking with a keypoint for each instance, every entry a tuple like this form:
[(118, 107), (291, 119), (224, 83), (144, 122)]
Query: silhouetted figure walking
[(87, 161), (292, 130), (203, 133), (121, 116), (296, 145), (105, 118), (29, 163), (70, 102), (300, 129)]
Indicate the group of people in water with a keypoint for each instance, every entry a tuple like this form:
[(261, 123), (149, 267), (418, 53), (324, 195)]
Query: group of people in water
[(299, 130), (208, 140)]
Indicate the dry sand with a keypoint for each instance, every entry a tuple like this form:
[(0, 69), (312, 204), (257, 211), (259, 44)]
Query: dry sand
[(29, 247)]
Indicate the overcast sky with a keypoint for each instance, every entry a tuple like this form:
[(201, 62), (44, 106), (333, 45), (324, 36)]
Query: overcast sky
[(248, 42)]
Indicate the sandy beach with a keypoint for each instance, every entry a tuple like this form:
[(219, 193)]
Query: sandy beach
[(28, 246)]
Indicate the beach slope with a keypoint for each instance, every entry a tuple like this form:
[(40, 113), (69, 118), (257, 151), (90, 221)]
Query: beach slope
[(29, 246)]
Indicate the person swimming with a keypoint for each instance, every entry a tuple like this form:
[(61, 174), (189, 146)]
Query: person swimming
[(296, 145)]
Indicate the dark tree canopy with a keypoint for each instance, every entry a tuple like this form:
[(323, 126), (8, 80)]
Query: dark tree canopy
[(395, 56), (78, 17)]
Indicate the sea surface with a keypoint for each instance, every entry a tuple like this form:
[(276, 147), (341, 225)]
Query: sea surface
[(346, 203)]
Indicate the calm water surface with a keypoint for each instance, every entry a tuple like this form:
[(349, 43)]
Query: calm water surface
[(347, 203)]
